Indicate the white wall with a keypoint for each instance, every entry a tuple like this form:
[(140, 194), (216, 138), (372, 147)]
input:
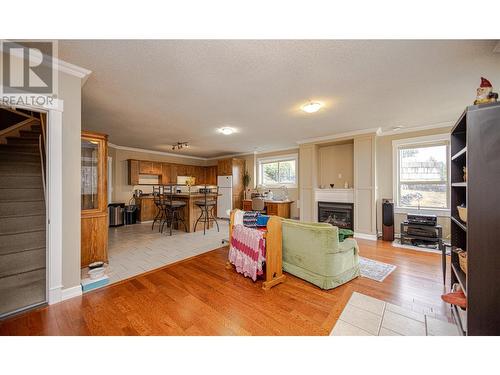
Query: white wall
[(70, 93), (334, 161)]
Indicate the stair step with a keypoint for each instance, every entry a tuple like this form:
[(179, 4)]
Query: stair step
[(36, 128), (20, 168), (20, 194), (21, 181), (22, 141), (16, 242), (17, 156), (19, 290), (20, 148), (20, 262), (36, 207), (16, 224), (30, 133)]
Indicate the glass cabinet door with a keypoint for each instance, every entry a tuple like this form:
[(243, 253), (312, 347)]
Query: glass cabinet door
[(90, 174)]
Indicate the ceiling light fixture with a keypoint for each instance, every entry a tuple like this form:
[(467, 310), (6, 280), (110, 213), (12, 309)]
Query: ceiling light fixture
[(226, 130), (312, 107), (180, 146)]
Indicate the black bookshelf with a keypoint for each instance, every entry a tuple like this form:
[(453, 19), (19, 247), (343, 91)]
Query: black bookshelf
[(475, 144)]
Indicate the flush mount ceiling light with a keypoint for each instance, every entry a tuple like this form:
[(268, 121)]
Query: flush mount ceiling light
[(226, 130), (312, 107), (180, 146)]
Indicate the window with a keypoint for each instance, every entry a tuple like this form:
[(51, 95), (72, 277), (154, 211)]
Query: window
[(421, 174), (278, 171)]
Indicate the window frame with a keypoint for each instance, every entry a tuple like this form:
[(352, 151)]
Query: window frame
[(425, 141), (277, 159)]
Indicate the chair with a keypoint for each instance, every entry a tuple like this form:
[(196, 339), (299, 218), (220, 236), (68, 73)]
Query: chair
[(158, 192), (207, 207), (258, 204), (173, 210), (312, 251)]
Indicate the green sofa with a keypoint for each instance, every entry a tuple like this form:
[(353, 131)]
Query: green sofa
[(312, 251)]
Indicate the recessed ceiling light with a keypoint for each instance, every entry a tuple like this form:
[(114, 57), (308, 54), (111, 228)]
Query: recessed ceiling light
[(226, 130), (312, 107)]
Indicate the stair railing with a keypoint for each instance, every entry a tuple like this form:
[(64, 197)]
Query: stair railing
[(42, 147)]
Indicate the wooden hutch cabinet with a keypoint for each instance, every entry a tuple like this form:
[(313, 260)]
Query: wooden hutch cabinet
[(94, 201)]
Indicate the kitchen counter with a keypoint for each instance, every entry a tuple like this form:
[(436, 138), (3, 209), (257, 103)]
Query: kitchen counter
[(146, 208), (278, 208)]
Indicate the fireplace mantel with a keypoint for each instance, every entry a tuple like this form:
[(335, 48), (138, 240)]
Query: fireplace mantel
[(334, 195)]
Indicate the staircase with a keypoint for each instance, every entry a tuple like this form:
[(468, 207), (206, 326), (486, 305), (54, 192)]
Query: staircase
[(22, 221)]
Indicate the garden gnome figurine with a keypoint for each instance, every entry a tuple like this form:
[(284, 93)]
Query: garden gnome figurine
[(485, 93)]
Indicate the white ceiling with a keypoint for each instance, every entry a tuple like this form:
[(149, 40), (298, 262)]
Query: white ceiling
[(151, 94)]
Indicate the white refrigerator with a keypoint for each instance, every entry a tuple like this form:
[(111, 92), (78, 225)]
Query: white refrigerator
[(225, 198)]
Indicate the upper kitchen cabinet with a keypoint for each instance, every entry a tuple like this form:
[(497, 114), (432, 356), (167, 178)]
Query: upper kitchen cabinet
[(133, 172), (166, 173), (150, 167), (211, 175), (225, 167), (94, 202)]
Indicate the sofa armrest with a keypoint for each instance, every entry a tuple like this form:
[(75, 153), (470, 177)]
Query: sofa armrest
[(348, 244)]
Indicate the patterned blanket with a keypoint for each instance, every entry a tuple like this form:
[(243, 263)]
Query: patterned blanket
[(247, 251)]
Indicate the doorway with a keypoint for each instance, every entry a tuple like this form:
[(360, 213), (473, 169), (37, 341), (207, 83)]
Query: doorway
[(23, 213)]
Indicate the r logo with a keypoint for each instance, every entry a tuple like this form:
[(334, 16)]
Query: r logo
[(27, 68)]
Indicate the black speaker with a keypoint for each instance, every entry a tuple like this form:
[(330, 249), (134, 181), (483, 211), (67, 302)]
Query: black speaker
[(387, 220)]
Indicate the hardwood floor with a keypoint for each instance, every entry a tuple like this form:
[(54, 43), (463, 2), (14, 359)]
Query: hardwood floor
[(198, 296)]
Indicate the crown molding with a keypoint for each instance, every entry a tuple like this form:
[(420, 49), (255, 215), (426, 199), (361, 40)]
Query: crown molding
[(333, 137), (437, 125), (164, 153), (73, 70), (377, 131)]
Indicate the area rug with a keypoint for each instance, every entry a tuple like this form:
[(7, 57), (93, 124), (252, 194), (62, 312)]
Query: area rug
[(374, 270)]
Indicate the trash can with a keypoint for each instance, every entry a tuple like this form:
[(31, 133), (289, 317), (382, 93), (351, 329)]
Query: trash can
[(130, 214), (116, 213)]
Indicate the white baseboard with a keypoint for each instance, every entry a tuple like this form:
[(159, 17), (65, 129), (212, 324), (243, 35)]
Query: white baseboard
[(365, 236), (68, 293), (55, 295)]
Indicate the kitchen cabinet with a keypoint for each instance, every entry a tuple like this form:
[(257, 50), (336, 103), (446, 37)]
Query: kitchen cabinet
[(94, 198), (150, 167), (168, 172), (133, 172), (225, 167), (211, 175), (145, 167)]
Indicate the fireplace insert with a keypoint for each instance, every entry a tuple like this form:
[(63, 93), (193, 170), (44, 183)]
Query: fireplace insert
[(338, 214)]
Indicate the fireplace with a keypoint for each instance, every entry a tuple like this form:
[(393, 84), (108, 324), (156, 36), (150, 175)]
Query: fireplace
[(338, 214)]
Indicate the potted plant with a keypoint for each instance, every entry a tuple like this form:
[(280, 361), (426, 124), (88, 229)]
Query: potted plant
[(246, 181)]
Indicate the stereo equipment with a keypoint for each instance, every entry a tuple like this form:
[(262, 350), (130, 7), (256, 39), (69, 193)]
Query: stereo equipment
[(387, 220), (427, 231), (420, 219)]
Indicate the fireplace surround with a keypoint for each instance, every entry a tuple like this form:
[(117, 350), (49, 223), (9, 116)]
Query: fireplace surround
[(336, 213)]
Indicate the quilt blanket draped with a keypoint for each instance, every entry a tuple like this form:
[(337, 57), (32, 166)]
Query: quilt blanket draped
[(247, 251)]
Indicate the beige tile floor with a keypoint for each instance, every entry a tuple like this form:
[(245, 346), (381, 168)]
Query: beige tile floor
[(135, 249), (368, 316)]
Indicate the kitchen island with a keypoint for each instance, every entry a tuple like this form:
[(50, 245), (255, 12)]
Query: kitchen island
[(146, 208)]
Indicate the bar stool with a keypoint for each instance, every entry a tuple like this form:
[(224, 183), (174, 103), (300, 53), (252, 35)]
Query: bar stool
[(207, 207), (173, 210), (158, 192)]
